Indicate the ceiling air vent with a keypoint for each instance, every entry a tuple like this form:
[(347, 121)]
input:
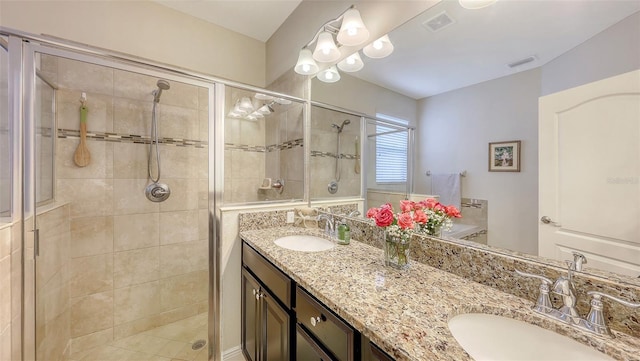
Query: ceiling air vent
[(438, 22), (520, 62)]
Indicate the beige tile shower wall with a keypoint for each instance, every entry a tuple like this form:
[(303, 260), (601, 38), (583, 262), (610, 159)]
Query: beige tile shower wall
[(7, 291), (324, 140), (52, 285), (134, 264), (284, 126)]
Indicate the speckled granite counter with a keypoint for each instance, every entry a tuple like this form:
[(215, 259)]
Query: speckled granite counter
[(406, 312)]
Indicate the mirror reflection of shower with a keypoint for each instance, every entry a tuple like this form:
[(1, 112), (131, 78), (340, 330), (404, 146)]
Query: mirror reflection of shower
[(333, 185), (156, 191)]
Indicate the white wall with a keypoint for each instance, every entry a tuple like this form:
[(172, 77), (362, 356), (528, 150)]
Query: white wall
[(145, 29), (614, 51), (453, 135)]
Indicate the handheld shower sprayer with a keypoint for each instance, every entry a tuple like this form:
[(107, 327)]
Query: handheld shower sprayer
[(162, 85)]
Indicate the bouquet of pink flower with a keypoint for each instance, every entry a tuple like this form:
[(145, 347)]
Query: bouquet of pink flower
[(427, 216)]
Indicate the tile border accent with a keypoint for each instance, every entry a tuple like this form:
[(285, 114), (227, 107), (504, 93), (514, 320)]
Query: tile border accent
[(131, 138), (315, 153), (290, 144)]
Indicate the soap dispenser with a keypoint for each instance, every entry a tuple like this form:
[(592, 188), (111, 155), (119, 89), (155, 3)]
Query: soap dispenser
[(344, 233)]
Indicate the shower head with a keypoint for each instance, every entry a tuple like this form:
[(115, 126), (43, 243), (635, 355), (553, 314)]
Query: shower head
[(339, 127), (162, 85)]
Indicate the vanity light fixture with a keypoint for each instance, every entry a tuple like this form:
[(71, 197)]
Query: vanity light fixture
[(351, 63), (352, 32), (348, 30), (379, 49), (329, 75), (475, 4), (306, 65), (326, 49)]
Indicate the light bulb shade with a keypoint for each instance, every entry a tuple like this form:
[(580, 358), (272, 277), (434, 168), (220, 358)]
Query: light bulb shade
[(352, 32), (326, 50), (329, 75), (379, 49), (306, 65), (475, 4), (245, 105), (351, 63)]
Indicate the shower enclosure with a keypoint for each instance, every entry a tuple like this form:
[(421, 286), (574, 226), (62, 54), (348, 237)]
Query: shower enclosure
[(335, 153), (108, 274)]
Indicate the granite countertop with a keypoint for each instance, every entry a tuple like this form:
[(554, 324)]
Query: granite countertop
[(406, 312)]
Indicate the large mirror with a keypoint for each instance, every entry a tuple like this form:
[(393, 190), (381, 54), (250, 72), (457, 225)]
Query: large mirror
[(468, 78)]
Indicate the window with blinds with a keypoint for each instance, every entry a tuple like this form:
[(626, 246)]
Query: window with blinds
[(391, 152)]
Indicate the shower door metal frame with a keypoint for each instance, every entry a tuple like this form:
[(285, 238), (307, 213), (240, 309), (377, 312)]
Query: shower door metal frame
[(28, 73)]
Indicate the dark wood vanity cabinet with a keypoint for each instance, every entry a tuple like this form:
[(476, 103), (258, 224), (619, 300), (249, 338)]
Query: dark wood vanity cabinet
[(279, 324), (266, 319)]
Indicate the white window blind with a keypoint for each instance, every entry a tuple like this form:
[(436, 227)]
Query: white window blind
[(391, 152)]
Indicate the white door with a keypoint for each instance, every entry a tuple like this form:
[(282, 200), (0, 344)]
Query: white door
[(589, 154)]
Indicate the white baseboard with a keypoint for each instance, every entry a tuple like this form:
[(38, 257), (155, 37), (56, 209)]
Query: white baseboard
[(234, 353)]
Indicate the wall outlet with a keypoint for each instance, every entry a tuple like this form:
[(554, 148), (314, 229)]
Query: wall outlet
[(290, 217)]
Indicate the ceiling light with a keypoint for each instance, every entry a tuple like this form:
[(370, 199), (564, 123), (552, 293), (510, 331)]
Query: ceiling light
[(352, 32), (306, 65), (351, 63), (379, 48), (329, 75), (476, 4), (326, 49)]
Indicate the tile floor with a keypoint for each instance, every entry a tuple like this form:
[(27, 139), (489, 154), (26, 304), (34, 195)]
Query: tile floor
[(170, 342)]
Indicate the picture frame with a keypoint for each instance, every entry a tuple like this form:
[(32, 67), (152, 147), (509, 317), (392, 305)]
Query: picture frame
[(504, 156)]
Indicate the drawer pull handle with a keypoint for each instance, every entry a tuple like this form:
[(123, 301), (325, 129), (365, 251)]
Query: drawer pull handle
[(258, 294), (316, 320)]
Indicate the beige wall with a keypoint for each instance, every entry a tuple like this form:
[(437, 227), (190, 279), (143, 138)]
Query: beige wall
[(145, 29), (364, 97)]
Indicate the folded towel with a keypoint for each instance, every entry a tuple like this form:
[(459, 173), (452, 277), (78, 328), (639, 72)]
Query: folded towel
[(447, 186)]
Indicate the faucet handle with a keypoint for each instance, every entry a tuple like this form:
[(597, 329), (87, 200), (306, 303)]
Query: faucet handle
[(596, 318), (543, 303)]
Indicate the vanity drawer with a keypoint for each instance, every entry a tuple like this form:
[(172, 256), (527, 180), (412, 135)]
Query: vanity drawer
[(334, 334), (277, 282)]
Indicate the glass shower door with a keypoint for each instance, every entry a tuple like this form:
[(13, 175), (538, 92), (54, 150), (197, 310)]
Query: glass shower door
[(116, 274)]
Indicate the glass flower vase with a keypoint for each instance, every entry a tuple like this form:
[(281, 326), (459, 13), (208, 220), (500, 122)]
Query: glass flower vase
[(396, 249)]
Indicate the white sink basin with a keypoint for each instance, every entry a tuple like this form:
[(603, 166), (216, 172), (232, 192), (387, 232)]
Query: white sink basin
[(491, 337), (304, 243)]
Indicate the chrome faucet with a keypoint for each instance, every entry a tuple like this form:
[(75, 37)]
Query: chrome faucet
[(329, 229), (565, 288), (595, 322)]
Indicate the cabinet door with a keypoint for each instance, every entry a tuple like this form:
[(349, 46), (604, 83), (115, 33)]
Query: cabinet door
[(378, 355), (275, 340), (307, 349), (250, 316)]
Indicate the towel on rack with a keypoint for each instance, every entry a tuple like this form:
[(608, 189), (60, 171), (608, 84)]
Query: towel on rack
[(447, 186)]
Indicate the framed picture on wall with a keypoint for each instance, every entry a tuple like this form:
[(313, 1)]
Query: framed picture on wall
[(504, 156)]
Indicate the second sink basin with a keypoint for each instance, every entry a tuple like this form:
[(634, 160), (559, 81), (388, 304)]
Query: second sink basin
[(491, 337), (304, 243)]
